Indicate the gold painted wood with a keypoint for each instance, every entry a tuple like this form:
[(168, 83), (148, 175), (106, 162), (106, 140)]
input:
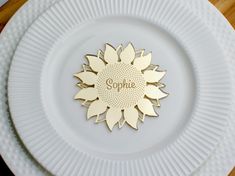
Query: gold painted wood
[(227, 7)]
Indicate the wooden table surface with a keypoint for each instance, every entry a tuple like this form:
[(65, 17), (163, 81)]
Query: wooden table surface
[(227, 7)]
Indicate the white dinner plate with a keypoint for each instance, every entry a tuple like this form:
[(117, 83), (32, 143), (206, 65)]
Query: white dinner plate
[(18, 158), (53, 126)]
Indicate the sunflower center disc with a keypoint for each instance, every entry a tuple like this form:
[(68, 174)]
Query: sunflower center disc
[(120, 85)]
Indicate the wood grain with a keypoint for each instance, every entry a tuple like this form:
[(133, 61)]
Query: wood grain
[(232, 172), (227, 7), (224, 5), (8, 10)]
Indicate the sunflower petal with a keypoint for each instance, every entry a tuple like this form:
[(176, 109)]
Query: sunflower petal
[(96, 108), (131, 116), (128, 54), (110, 54), (95, 63), (112, 117), (146, 107), (87, 94), (143, 62), (88, 78), (154, 92), (152, 76)]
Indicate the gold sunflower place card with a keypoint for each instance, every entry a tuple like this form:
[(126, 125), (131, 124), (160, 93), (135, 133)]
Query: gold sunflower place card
[(120, 85)]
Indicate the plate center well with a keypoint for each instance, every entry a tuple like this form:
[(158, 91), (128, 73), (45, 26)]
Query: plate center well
[(68, 117)]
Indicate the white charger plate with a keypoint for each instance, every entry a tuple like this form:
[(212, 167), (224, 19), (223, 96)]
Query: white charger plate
[(25, 170), (54, 128)]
